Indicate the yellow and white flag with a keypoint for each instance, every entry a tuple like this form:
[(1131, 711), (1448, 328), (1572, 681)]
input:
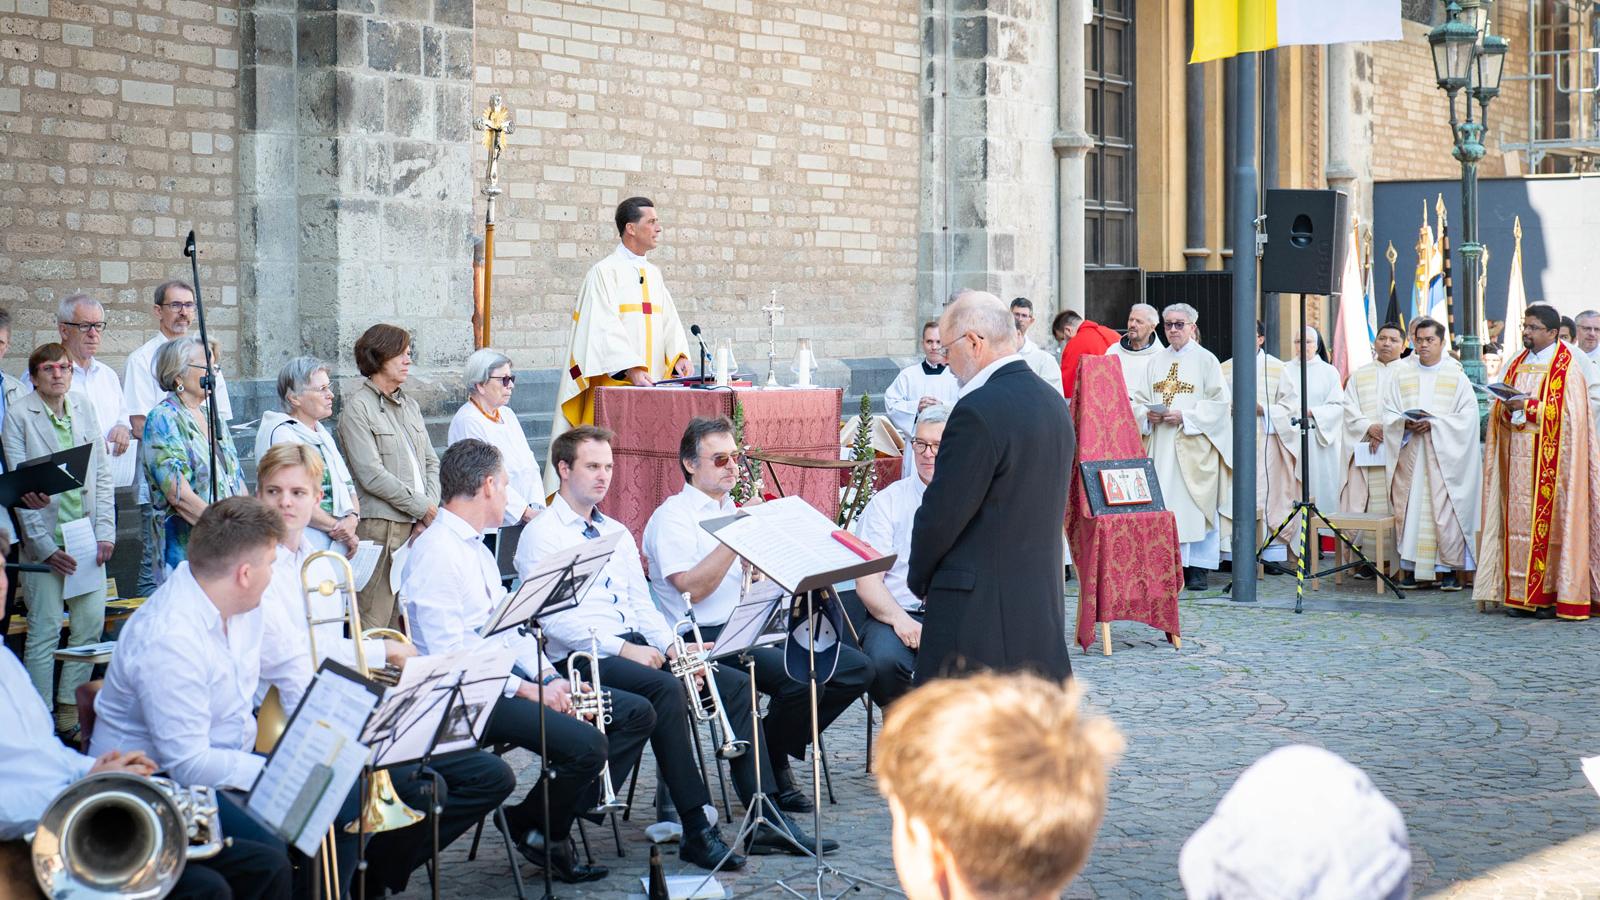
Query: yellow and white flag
[(1516, 301), (1229, 27)]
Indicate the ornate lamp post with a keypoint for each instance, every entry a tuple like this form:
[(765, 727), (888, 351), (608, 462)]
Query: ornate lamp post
[(1468, 63)]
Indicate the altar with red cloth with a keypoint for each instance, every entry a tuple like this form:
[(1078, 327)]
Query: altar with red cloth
[(1128, 564), (649, 422)]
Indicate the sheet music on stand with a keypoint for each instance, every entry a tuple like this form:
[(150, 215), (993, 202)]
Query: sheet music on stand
[(311, 770), (559, 583), (757, 621), (795, 546), (404, 726)]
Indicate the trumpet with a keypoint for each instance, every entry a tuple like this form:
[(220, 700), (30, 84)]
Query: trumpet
[(693, 667), (122, 835), (591, 701)]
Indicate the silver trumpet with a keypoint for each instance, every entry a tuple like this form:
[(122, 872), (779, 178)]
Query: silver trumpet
[(117, 835), (696, 666), (591, 701)]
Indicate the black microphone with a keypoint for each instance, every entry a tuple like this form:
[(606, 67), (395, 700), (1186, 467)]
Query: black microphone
[(695, 330), (188, 245)]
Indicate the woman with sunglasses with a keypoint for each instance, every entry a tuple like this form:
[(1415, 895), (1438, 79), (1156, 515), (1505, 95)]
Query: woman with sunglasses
[(487, 416), (305, 389)]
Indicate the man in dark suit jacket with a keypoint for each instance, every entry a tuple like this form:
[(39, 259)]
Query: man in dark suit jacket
[(986, 546)]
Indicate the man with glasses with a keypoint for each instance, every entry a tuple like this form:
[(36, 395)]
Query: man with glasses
[(1542, 483), (1182, 405), (892, 629), (1038, 359), (918, 387), (174, 311), (81, 321), (685, 559)]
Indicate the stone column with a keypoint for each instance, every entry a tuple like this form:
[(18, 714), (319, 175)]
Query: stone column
[(1072, 143), (1350, 128), (357, 177)]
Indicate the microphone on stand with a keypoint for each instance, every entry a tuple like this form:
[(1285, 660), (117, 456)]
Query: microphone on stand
[(695, 330)]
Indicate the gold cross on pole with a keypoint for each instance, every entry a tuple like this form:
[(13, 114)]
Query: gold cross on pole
[(1171, 387), (495, 123)]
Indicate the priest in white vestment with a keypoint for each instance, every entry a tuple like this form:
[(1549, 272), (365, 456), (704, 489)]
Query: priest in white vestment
[(1138, 345), (1324, 395), (1589, 349), (1277, 457), (625, 328), (1043, 363), (928, 383), (1369, 459), (1181, 404), (1438, 475)]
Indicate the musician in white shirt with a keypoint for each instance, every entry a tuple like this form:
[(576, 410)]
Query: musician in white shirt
[(289, 481), (451, 587), (894, 628), (635, 644), (686, 559)]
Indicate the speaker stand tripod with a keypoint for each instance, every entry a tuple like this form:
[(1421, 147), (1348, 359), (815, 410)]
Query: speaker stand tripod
[(1305, 509)]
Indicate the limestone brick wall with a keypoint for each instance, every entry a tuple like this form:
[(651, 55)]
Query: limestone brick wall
[(118, 134), (1410, 117), (779, 141)]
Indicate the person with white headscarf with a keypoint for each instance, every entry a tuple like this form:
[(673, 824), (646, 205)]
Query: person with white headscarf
[(1300, 824)]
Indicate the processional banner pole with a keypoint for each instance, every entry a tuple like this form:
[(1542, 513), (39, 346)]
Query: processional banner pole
[(495, 123)]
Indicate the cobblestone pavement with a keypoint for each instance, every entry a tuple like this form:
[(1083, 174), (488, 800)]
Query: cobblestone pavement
[(1472, 724)]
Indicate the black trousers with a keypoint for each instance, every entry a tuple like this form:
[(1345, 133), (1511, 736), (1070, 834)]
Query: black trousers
[(244, 870), (788, 720), (578, 751), (673, 746), (472, 785)]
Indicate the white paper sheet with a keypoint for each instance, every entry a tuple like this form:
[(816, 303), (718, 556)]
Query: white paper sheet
[(88, 650), (404, 725), (1591, 771), (1366, 457), (125, 467), (365, 562), (397, 565), (77, 539), (788, 540)]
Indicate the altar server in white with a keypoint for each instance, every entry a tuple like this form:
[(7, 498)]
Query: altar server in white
[(928, 383)]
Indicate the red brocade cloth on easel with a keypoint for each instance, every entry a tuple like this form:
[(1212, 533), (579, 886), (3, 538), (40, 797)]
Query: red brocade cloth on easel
[(1128, 564)]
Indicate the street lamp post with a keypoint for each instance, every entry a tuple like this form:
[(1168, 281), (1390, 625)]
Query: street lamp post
[(1468, 64)]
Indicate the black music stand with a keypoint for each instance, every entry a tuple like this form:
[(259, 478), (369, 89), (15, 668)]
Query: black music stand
[(555, 585)]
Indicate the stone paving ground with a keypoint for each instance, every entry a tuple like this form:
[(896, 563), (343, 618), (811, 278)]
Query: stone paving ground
[(1472, 724)]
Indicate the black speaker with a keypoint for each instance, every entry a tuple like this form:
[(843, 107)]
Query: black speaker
[(1307, 233)]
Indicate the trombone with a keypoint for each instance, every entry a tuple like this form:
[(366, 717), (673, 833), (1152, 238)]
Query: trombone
[(694, 666), (591, 701)]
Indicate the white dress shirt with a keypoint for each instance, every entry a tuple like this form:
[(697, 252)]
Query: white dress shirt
[(37, 766), (450, 587), (180, 687), (674, 543), (286, 661), (619, 602), (526, 486), (886, 525), (982, 378), (100, 387)]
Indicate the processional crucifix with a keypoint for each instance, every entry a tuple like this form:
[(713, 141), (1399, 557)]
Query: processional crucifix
[(495, 123)]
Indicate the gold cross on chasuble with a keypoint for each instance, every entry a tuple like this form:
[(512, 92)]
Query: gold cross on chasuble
[(644, 308), (1171, 387)]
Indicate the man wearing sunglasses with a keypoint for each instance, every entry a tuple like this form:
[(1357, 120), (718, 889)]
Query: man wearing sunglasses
[(81, 321), (686, 559), (1181, 403)]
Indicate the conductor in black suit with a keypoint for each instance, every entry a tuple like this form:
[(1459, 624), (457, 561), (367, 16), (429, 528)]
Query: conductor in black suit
[(986, 545)]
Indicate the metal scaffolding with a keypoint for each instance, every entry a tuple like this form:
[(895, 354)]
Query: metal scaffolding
[(1563, 77)]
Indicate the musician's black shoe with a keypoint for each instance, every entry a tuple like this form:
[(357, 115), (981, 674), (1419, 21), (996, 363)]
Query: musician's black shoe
[(768, 839), (1450, 582), (705, 848), (790, 798), (1069, 572), (1273, 568)]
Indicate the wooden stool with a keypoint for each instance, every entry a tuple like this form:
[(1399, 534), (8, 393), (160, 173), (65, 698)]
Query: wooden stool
[(1379, 526)]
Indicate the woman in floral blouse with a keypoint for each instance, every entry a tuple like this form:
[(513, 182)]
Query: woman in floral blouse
[(176, 452)]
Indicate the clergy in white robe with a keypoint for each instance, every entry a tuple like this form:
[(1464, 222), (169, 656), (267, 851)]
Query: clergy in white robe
[(1369, 459), (1324, 395), (1277, 457), (1041, 361), (1589, 348), (1138, 345), (1438, 473), (625, 328), (1181, 405), (918, 387)]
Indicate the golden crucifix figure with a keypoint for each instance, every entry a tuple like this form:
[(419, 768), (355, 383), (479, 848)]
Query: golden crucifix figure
[(495, 123)]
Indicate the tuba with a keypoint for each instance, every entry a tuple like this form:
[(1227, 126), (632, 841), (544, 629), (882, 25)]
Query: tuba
[(123, 836), (593, 702), (692, 666)]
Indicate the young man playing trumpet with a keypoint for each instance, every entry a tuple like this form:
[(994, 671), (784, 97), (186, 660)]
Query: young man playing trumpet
[(687, 559), (289, 481), (635, 644), (451, 585)]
